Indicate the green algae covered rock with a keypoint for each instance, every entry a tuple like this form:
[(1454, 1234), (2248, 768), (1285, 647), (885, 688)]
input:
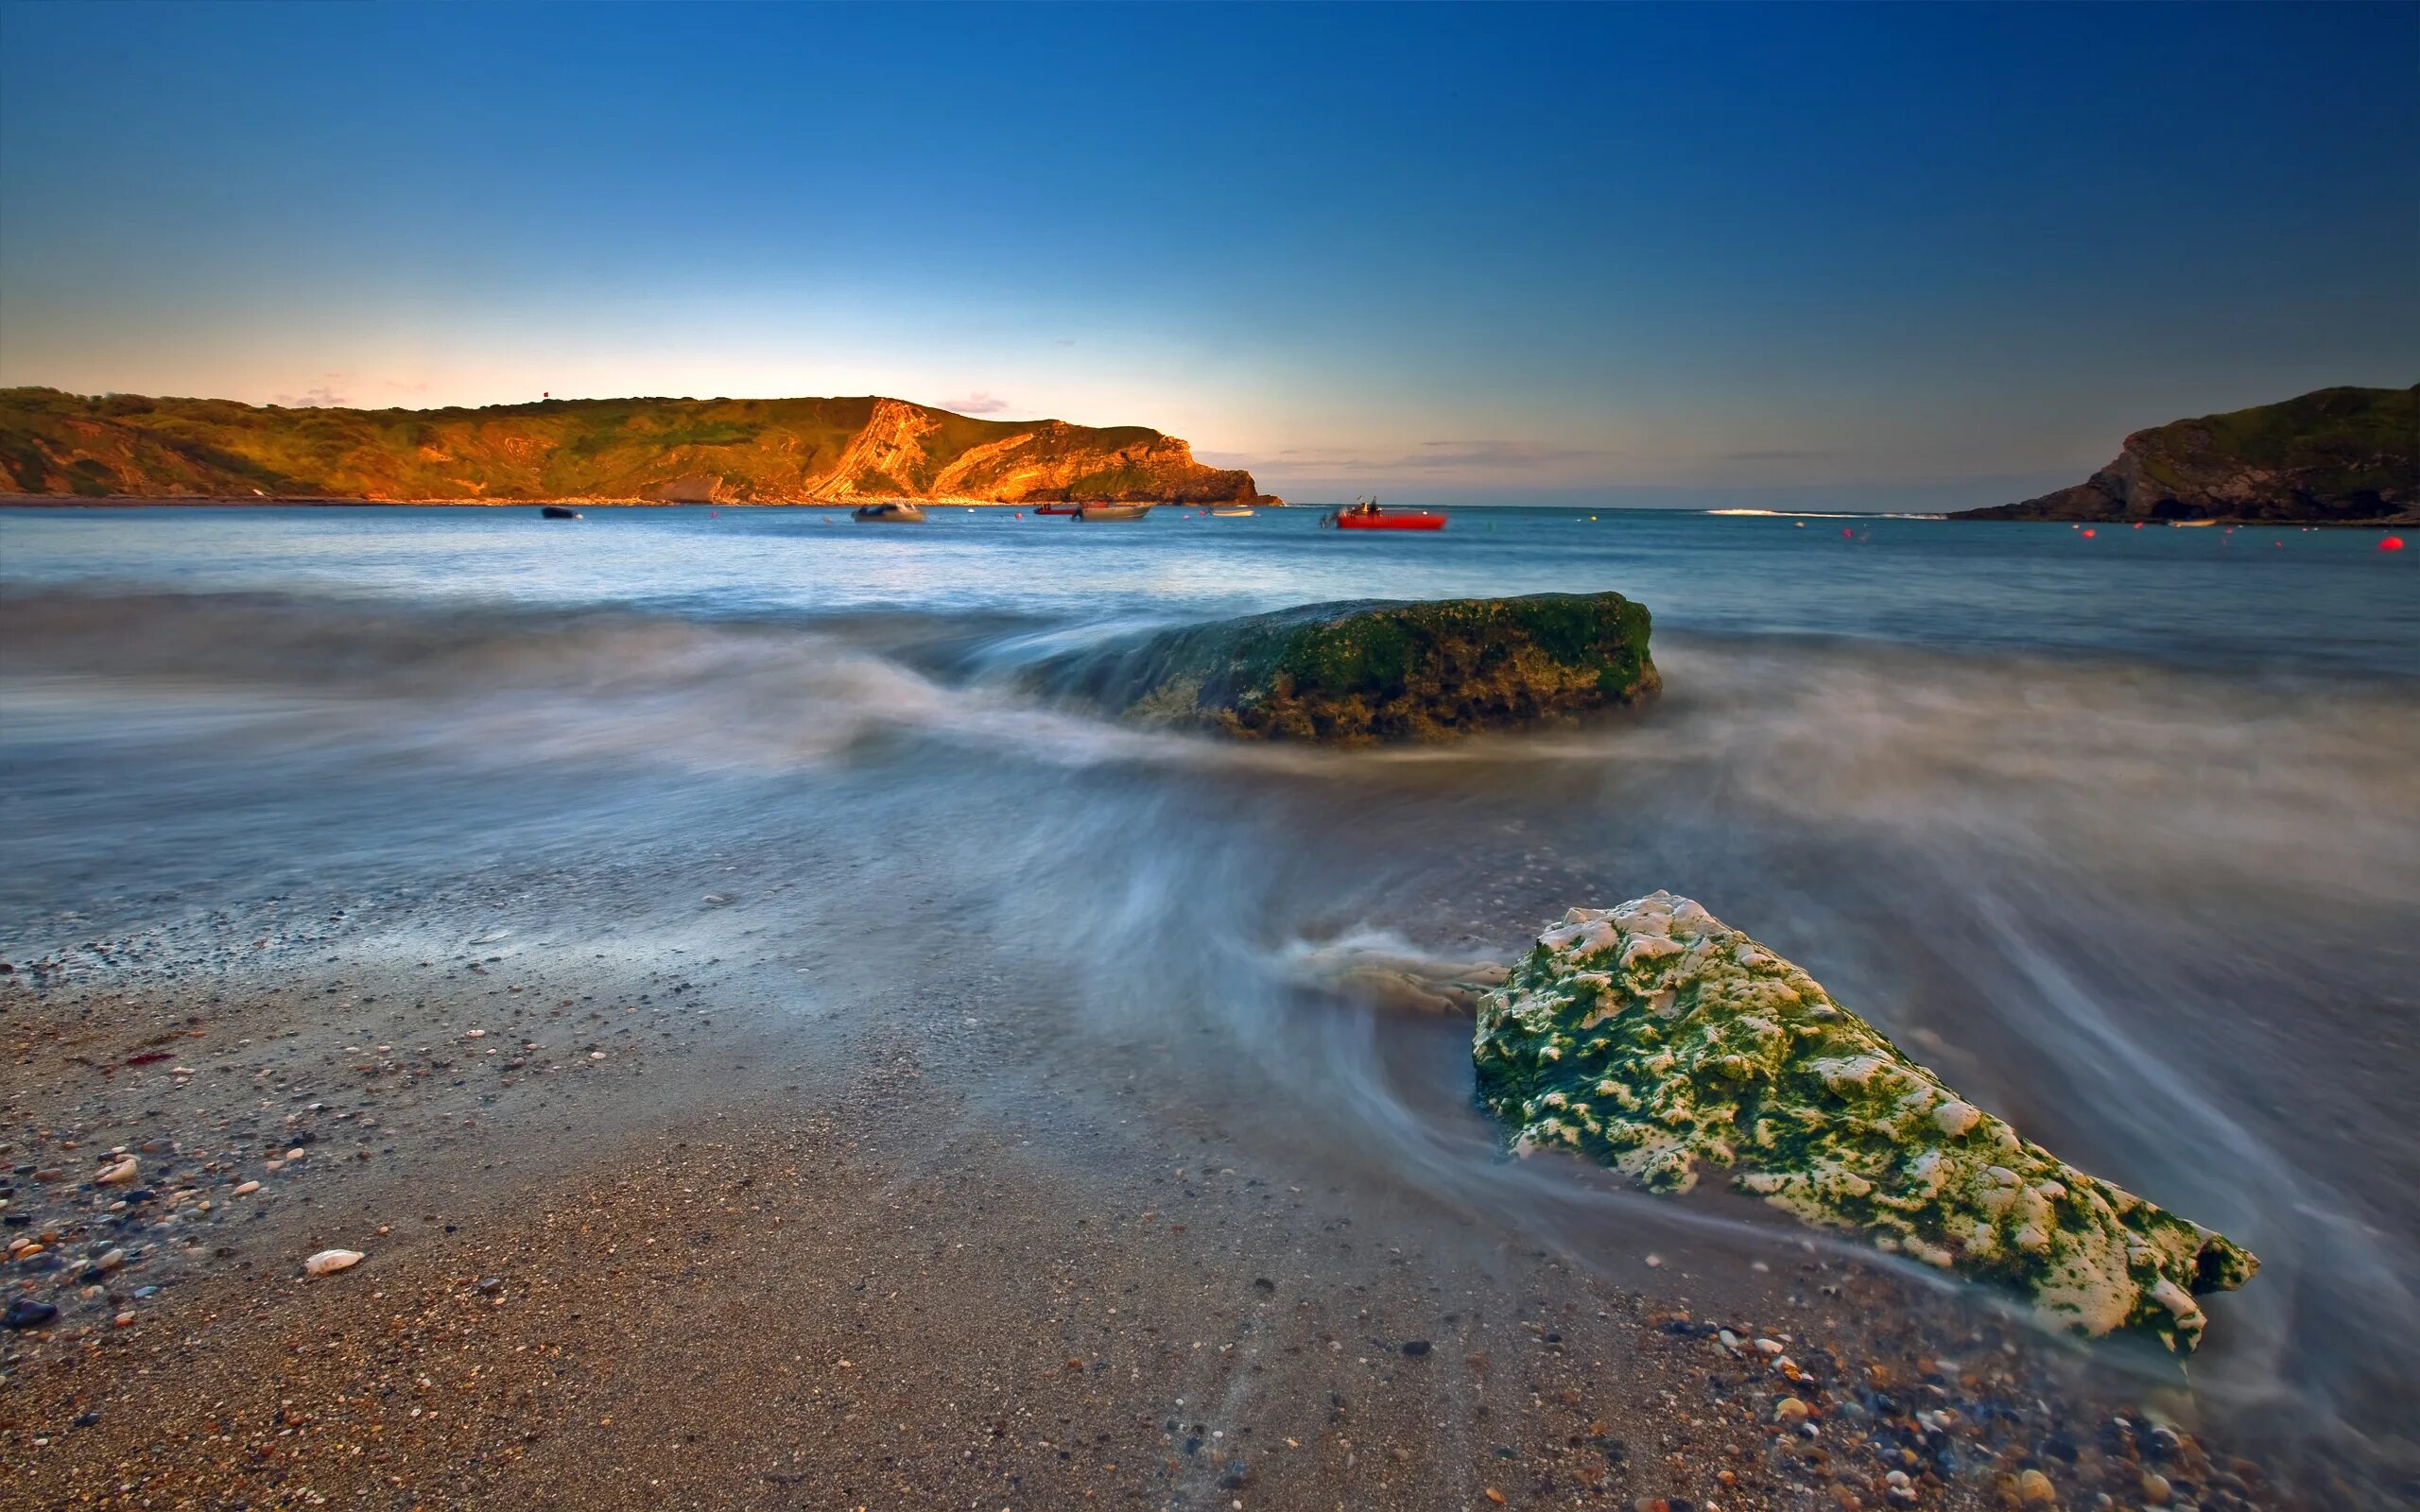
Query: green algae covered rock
[(1359, 673), (1652, 1039)]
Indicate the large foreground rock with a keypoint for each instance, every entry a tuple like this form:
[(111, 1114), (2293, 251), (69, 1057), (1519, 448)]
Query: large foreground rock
[(1652, 1039), (1356, 673)]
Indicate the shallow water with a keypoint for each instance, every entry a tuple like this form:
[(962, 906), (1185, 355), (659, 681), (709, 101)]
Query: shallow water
[(2121, 834)]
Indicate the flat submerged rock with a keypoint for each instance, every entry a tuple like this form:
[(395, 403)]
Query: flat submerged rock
[(1354, 674), (1653, 1038)]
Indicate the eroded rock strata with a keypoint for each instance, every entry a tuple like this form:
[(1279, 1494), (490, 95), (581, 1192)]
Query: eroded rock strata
[(663, 451)]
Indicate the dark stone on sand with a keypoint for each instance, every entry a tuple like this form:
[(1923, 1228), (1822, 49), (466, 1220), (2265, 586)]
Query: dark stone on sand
[(25, 1313), (1357, 674), (1416, 1347)]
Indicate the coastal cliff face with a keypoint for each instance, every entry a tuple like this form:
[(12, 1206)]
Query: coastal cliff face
[(2335, 456), (686, 451)]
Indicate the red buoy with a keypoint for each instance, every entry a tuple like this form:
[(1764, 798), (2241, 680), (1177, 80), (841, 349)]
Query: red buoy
[(2391, 543), (1846, 531), (2089, 534)]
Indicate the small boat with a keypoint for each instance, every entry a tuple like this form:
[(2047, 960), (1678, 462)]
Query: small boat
[(889, 512), (1112, 511), (1057, 508), (1230, 511), (1364, 514), (556, 511)]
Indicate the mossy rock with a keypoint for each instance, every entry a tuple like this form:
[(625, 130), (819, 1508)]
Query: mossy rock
[(1359, 673), (1652, 1039)]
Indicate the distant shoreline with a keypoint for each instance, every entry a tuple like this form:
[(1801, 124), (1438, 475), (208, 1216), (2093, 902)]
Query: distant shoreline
[(73, 501), (200, 501)]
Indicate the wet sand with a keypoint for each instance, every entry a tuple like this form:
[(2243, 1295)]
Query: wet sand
[(646, 1227)]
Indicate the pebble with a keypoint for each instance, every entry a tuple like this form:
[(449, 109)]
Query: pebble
[(248, 1189), (25, 1313), (122, 1173), (328, 1262), (1789, 1410), (2156, 1490), (2034, 1486), (1416, 1347), (109, 1261)]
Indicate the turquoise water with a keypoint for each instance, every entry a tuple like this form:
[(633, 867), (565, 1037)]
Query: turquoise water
[(2121, 834)]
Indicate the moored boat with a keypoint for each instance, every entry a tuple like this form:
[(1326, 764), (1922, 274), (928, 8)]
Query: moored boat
[(1112, 511), (1057, 508), (1230, 511), (1365, 514), (889, 512), (556, 511)]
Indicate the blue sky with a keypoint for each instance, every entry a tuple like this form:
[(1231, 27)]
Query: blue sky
[(1832, 255)]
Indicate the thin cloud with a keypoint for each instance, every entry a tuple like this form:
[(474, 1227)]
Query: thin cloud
[(978, 402), (1496, 456), (1778, 454), (1515, 455)]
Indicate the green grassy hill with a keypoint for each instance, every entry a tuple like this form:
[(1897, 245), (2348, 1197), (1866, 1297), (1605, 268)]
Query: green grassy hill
[(2334, 456), (725, 451)]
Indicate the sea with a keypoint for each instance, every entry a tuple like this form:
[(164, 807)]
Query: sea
[(2118, 829)]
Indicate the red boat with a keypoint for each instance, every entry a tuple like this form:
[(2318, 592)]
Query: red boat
[(1364, 514)]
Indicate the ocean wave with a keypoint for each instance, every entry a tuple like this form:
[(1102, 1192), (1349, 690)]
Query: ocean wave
[(2158, 917)]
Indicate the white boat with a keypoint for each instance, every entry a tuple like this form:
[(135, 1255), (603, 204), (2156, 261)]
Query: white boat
[(889, 512), (1112, 511), (1230, 511)]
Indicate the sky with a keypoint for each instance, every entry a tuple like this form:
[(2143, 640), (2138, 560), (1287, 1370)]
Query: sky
[(1819, 255)]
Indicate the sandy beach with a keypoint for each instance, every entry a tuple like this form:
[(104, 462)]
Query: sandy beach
[(641, 1230)]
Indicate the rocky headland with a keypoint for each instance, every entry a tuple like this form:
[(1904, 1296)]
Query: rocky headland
[(2332, 457), (635, 451), (1358, 674)]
